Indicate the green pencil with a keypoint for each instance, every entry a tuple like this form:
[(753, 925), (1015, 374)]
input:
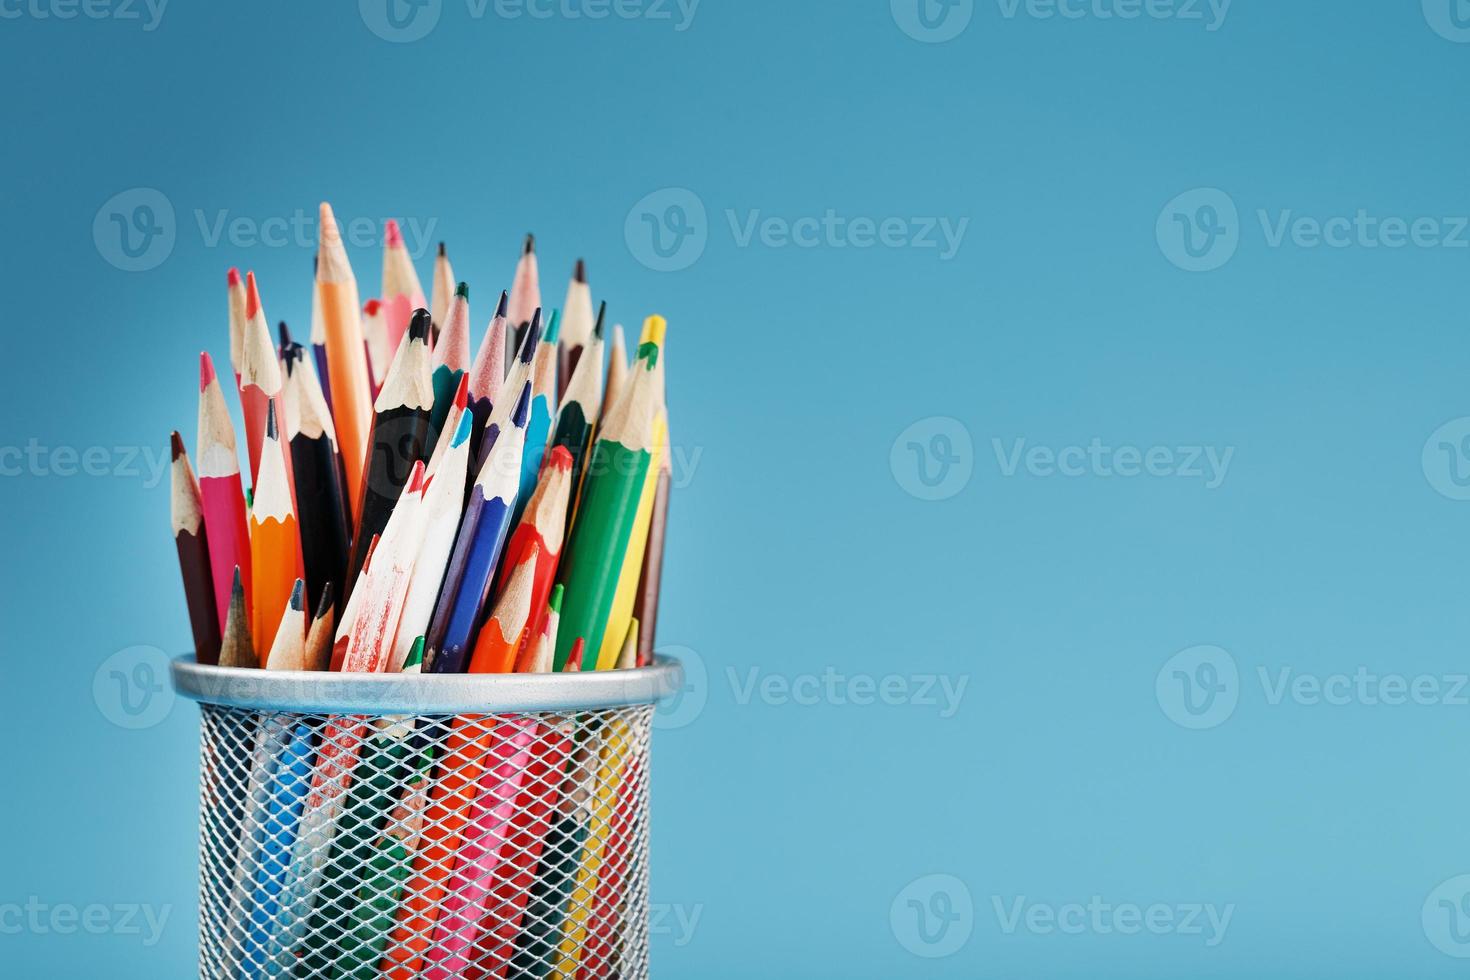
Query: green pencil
[(608, 507)]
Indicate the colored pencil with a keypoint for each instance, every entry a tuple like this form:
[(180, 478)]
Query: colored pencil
[(487, 376), (544, 645), (525, 298), (451, 359), (581, 404), (650, 576), (288, 649), (440, 290), (260, 376), (614, 742), (351, 403), (609, 900), (321, 497), (219, 490), (235, 289), (541, 531), (628, 655), (236, 647), (617, 367), (319, 337), (456, 414), (191, 541), (275, 545), (517, 380), (478, 545), (443, 504), (504, 755), (606, 516), (289, 784), (376, 349), (537, 947), (576, 328), (400, 428), (318, 653), (402, 294), (543, 407), (386, 582)]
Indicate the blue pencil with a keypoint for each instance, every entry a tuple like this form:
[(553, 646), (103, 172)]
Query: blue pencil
[(289, 782), (478, 544)]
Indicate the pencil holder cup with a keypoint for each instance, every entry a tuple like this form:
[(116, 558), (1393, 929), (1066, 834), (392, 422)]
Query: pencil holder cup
[(435, 826)]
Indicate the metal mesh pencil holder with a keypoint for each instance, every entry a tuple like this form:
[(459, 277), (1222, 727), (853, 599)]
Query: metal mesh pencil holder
[(471, 826)]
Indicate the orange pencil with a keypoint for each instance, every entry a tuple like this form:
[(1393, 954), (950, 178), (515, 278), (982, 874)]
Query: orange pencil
[(275, 546), (500, 637), (352, 403)]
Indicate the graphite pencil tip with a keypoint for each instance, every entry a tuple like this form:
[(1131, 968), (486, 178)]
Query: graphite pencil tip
[(504, 301), (271, 432), (579, 273), (601, 313), (175, 444), (530, 244), (420, 325), (441, 249), (298, 596), (324, 604), (285, 334)]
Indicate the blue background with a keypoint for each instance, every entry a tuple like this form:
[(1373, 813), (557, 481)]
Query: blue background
[(794, 547)]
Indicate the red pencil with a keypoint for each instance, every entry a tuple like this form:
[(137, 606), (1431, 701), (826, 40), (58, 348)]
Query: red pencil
[(220, 493)]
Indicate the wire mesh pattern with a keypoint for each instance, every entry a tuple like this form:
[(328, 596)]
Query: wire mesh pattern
[(506, 845)]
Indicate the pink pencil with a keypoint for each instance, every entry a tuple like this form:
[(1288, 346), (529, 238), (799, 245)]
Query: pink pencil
[(402, 293), (223, 499)]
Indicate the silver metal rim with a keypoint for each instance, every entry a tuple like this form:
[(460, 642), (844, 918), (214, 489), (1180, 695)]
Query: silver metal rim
[(322, 692)]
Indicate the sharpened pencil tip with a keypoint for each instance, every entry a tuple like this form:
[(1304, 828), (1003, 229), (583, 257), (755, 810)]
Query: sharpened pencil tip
[(285, 334), (392, 237), (523, 407), (601, 314), (579, 273), (442, 253), (252, 296), (462, 290), (420, 325), (298, 596), (415, 654), (206, 369), (504, 302), (556, 593), (560, 458), (553, 327), (232, 278), (175, 444), (324, 604), (574, 659), (271, 432), (530, 244), (462, 392)]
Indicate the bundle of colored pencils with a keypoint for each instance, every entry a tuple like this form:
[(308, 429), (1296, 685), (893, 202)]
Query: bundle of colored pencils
[(416, 509)]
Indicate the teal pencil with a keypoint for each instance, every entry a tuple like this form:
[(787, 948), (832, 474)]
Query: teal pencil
[(543, 407)]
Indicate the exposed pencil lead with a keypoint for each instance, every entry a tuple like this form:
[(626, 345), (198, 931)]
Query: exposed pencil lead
[(392, 237), (463, 290), (580, 272), (601, 312), (270, 420), (419, 326), (500, 307), (206, 370), (232, 278), (298, 596), (175, 444), (285, 334), (324, 604), (530, 244), (441, 248), (252, 296)]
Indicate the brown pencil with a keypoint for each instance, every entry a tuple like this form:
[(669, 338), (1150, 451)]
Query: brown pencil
[(187, 514)]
